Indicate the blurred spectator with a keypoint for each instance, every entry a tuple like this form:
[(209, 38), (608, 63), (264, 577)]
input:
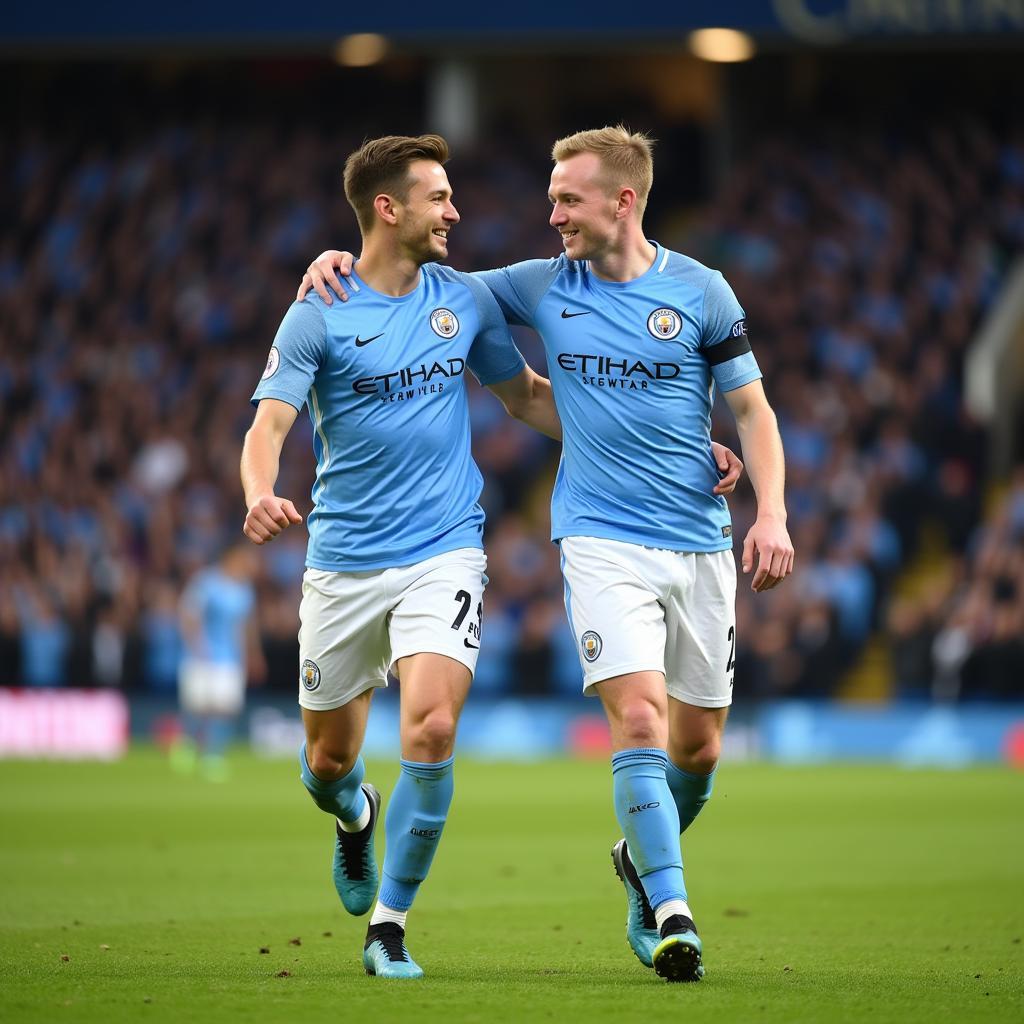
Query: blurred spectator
[(978, 625)]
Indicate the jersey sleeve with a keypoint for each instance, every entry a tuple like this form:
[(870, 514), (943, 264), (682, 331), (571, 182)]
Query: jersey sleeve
[(493, 356), (519, 288), (724, 337), (298, 352)]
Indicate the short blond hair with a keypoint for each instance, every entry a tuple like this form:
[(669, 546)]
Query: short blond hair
[(625, 156)]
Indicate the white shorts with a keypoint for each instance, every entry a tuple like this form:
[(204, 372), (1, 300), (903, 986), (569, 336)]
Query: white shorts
[(637, 609), (210, 687), (356, 625)]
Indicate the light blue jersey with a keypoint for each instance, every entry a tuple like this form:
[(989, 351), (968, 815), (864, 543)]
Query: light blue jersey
[(384, 380), (221, 605), (633, 367)]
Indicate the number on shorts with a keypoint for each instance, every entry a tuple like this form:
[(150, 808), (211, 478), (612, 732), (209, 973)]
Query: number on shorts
[(466, 600), (731, 664)]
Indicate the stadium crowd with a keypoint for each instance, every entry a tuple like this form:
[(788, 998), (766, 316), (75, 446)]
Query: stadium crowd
[(143, 273)]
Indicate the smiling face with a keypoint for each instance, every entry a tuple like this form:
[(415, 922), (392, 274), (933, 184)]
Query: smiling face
[(586, 212), (426, 214)]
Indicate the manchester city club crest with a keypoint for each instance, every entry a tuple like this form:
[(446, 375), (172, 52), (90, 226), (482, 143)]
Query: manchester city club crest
[(309, 675), (444, 323), (591, 644), (664, 324), (273, 362)]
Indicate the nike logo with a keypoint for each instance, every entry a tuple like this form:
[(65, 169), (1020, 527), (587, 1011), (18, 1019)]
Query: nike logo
[(360, 342), (475, 647), (566, 315)]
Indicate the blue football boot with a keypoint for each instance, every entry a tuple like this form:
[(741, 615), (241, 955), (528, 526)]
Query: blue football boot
[(641, 928), (678, 955), (385, 955), (355, 866)]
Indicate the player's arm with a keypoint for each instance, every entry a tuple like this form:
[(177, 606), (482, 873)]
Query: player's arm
[(762, 449), (528, 397), (267, 515)]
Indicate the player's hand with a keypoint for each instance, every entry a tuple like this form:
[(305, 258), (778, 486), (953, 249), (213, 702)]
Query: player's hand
[(267, 517), (729, 465), (321, 273), (768, 539)]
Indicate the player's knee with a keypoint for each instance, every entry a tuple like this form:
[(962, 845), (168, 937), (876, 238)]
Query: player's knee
[(328, 761), (700, 758), (432, 738), (641, 724)]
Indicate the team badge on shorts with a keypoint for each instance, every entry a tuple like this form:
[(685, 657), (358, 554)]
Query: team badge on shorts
[(664, 324), (273, 362), (444, 323), (591, 644), (309, 675)]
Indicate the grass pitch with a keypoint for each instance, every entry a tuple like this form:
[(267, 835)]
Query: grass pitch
[(822, 894)]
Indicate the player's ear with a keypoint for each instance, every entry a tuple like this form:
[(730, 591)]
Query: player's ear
[(384, 207), (626, 202)]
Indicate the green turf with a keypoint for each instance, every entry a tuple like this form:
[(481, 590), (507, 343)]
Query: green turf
[(836, 893)]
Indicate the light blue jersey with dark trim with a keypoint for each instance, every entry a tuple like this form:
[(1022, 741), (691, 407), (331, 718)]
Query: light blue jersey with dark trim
[(633, 368), (384, 381)]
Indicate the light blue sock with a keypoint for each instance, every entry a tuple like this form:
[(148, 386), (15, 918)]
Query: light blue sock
[(690, 792), (219, 733), (343, 798), (416, 815), (649, 820)]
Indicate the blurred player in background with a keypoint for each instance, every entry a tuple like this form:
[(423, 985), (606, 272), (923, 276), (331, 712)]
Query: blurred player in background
[(395, 567), (222, 651), (637, 338)]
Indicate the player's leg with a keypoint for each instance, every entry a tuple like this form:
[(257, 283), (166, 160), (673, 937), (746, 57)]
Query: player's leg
[(435, 632), (636, 706), (694, 746), (225, 700), (191, 704), (612, 597), (434, 689), (344, 655), (700, 630), (700, 659), (330, 761)]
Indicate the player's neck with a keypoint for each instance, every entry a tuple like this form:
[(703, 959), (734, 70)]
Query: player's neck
[(625, 263), (387, 271)]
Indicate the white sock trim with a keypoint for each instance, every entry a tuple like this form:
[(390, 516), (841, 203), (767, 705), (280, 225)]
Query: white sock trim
[(663, 911), (382, 913), (361, 822)]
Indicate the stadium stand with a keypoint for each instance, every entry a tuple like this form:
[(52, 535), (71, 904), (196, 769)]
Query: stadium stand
[(144, 269)]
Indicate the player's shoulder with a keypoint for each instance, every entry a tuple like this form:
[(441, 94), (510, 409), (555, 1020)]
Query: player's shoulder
[(459, 279), (536, 277), (446, 275), (310, 311), (685, 268), (550, 268)]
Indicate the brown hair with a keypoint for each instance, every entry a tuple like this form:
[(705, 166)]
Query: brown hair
[(382, 165), (625, 157)]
